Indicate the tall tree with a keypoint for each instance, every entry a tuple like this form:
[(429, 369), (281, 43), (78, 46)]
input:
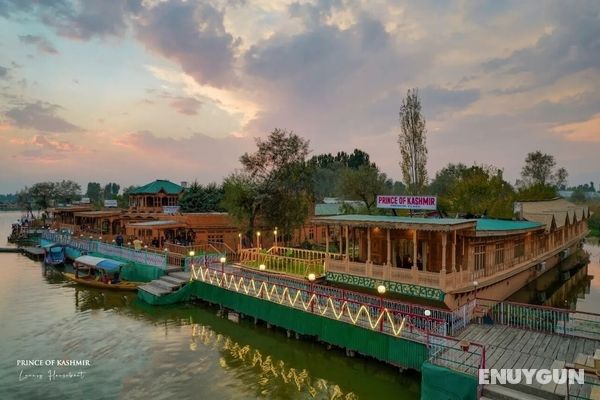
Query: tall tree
[(275, 181), (94, 192), (412, 141), (539, 170), (43, 194), (111, 190)]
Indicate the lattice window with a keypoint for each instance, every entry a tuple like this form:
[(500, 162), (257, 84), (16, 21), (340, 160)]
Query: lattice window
[(479, 257), (519, 248), (499, 255)]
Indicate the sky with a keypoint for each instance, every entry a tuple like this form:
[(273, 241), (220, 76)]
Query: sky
[(136, 90)]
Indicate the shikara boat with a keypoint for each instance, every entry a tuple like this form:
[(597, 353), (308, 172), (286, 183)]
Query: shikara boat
[(54, 254), (100, 273)]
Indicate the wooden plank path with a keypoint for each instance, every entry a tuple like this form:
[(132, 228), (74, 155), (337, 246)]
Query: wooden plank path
[(514, 348)]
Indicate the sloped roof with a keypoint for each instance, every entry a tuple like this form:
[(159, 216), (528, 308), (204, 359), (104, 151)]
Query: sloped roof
[(336, 208), (158, 185), (561, 210)]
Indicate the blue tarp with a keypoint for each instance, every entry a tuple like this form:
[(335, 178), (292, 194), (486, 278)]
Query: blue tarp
[(109, 266)]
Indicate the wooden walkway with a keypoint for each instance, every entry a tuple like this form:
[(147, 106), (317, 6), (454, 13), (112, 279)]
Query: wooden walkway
[(508, 348)]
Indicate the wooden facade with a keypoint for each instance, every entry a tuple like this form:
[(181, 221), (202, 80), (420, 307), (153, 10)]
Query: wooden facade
[(448, 259)]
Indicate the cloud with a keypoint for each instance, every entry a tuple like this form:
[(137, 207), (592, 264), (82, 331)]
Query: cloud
[(584, 131), (185, 105), (570, 47), (3, 72), (40, 116), (40, 42), (78, 19), (193, 35)]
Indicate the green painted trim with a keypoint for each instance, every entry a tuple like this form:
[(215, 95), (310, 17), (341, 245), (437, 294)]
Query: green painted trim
[(395, 287), (443, 383)]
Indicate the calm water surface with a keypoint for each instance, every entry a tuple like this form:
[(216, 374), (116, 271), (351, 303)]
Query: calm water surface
[(138, 351)]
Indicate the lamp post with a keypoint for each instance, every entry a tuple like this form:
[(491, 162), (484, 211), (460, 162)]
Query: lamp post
[(427, 322), (222, 260), (381, 290), (311, 279), (262, 267), (475, 284), (275, 234), (240, 237), (258, 239)]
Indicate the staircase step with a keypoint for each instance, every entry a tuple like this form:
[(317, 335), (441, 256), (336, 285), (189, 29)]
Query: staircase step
[(181, 275), (154, 290), (164, 285), (173, 280), (173, 269)]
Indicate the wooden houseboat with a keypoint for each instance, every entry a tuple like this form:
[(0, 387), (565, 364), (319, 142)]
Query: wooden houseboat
[(452, 260)]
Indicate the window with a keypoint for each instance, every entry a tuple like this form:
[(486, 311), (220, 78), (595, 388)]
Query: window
[(479, 257), (519, 248), (499, 255), (215, 239), (311, 234)]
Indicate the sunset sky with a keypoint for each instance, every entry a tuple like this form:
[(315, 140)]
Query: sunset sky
[(130, 91)]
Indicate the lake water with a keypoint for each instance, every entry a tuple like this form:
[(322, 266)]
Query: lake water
[(136, 351)]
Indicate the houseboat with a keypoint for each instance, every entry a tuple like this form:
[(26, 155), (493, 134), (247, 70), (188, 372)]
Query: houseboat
[(452, 260)]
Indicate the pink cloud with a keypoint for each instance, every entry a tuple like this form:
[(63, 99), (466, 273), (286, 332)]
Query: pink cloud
[(584, 131)]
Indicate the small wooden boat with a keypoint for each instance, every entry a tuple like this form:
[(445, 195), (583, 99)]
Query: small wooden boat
[(54, 254), (99, 272)]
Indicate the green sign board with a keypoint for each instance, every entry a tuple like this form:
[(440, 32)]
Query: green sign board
[(395, 287)]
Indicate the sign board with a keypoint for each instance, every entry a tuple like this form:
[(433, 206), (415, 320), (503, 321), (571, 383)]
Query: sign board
[(170, 209), (407, 202), (85, 200), (110, 203)]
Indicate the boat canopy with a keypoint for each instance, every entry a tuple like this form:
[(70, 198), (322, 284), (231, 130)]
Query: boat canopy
[(105, 264), (50, 245)]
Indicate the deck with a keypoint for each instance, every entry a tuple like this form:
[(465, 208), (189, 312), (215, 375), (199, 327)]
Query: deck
[(509, 347)]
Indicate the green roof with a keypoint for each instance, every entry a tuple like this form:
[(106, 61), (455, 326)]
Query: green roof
[(160, 184), (395, 220), (505, 225), (483, 224)]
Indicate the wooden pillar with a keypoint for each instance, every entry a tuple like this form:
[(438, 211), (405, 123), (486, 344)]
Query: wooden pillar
[(368, 244), (415, 249), (454, 252), (444, 240), (346, 228), (341, 238), (327, 239), (389, 248)]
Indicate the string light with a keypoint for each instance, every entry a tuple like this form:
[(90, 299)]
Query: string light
[(272, 292)]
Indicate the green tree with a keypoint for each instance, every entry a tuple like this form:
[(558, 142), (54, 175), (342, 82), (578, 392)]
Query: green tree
[(413, 148), (242, 199), (43, 195), (446, 178), (482, 190), (198, 198), (123, 199), (536, 192), (364, 184), (94, 192), (539, 170), (111, 190), (275, 181), (67, 191)]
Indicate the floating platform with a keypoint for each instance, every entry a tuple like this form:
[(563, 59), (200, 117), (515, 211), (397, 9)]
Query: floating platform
[(33, 252), (10, 250)]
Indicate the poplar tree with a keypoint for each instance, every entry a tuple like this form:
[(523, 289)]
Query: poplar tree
[(411, 139)]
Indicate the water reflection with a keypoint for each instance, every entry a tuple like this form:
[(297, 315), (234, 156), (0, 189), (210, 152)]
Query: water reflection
[(570, 285)]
